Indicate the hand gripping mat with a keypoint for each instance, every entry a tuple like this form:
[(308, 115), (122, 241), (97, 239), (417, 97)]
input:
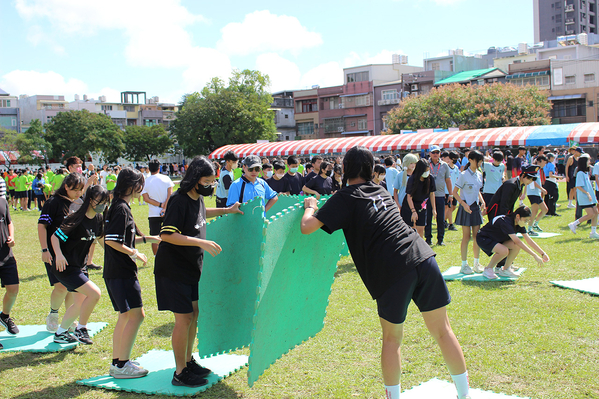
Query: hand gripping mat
[(297, 272), (439, 389), (37, 339), (228, 282), (589, 285), (453, 273), (161, 365)]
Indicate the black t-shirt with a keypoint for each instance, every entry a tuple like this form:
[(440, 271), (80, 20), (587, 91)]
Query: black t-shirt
[(321, 185), (382, 246), (280, 186), (6, 255), (505, 197), (336, 185), (119, 227), (309, 177), (509, 163), (419, 196), (295, 183), (185, 216), (500, 228), (53, 213), (75, 241)]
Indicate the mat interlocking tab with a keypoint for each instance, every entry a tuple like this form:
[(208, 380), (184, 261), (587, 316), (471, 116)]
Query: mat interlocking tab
[(161, 366), (228, 283), (439, 389), (589, 285), (296, 275), (453, 273), (37, 339)]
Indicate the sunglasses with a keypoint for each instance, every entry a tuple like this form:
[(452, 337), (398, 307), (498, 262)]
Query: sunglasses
[(435, 152), (255, 169)]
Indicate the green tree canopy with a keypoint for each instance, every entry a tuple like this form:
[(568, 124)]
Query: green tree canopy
[(471, 107), (143, 142), (33, 140), (79, 133), (221, 115)]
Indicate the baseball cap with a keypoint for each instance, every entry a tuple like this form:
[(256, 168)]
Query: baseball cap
[(434, 148), (579, 149), (251, 161)]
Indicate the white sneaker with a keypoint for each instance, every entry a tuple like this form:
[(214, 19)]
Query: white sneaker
[(558, 205), (478, 268), (111, 370), (507, 273), (488, 273), (514, 268), (572, 226), (497, 269), (52, 322), (465, 269), (129, 370), (594, 235), (570, 206)]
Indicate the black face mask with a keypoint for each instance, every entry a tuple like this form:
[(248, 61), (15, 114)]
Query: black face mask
[(204, 191)]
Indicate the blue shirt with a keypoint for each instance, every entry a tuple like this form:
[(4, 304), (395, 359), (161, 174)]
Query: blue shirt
[(34, 186), (221, 191), (400, 186), (454, 173), (582, 180), (532, 189), (391, 174), (252, 190), (549, 167), (493, 177)]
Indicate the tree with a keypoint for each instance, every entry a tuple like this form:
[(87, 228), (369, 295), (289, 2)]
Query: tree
[(221, 115), (143, 142), (79, 133), (471, 107), (33, 140)]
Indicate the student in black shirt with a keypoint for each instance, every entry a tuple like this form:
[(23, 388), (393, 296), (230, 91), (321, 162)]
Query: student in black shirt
[(178, 264), (420, 195), (295, 179), (71, 244), (277, 181), (394, 263), (53, 213), (120, 272), (337, 178), (322, 184), (9, 275), (498, 239), (316, 161), (379, 175)]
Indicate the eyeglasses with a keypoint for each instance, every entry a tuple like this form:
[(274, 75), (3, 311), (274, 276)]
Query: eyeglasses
[(255, 169), (213, 184)]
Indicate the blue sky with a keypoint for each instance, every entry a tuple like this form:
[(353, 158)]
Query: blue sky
[(171, 47)]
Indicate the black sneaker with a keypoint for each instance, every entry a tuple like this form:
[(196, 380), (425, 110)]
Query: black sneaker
[(65, 338), (10, 325), (197, 369), (429, 242), (93, 266), (440, 243), (188, 379), (83, 336), (452, 227)]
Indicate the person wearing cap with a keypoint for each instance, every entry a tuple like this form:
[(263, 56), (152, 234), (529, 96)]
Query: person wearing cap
[(439, 170), (226, 179), (504, 199), (585, 197), (250, 186), (571, 165)]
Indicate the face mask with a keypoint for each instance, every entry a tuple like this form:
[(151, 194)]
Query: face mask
[(204, 191), (425, 174), (100, 208), (293, 170), (280, 175), (269, 174), (382, 177)]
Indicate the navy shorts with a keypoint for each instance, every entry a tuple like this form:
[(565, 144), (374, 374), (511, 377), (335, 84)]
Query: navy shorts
[(424, 284), (51, 277), (586, 206), (9, 275), (453, 202), (175, 296), (155, 225), (125, 293), (486, 244), (535, 199), (72, 278)]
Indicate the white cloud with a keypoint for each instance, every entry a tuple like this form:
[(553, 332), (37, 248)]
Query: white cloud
[(44, 83), (355, 59), (283, 74), (262, 31), (37, 36), (324, 75), (205, 64)]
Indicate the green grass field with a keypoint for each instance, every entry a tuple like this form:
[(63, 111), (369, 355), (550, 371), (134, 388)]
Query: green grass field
[(526, 338)]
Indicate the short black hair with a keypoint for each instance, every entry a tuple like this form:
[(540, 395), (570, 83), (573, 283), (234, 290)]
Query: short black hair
[(292, 160), (230, 156), (498, 156), (278, 165), (316, 158), (154, 165), (389, 161)]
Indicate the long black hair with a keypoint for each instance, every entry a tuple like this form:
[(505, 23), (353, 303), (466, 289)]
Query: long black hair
[(128, 182), (421, 167), (476, 156), (97, 193), (583, 164), (358, 162), (72, 181), (198, 168)]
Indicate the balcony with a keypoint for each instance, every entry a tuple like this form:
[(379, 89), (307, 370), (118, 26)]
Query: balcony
[(117, 114), (389, 102), (569, 8), (150, 113), (570, 21)]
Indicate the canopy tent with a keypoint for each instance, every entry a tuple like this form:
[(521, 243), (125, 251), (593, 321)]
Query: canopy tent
[(548, 135)]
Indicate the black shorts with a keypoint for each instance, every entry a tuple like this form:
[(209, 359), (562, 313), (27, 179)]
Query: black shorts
[(175, 296), (124, 293), (571, 184), (453, 202), (11, 193), (72, 278), (486, 244), (9, 275), (586, 206), (155, 225), (535, 199), (51, 277), (424, 284), (20, 194)]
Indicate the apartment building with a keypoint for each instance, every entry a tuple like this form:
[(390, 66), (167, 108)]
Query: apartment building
[(574, 91), (553, 19), (10, 115), (42, 107)]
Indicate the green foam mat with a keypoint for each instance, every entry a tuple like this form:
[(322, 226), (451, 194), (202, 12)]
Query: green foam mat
[(589, 285), (439, 389), (297, 272), (229, 280), (37, 339), (543, 234), (453, 273), (161, 366)]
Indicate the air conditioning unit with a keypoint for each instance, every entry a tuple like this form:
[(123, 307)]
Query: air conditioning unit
[(414, 87), (340, 129), (340, 106)]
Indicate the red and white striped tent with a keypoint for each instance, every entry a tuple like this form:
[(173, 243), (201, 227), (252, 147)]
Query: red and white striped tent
[(585, 133)]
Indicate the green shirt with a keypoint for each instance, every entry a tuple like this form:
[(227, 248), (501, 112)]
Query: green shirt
[(110, 182), (49, 176), (237, 173), (57, 181), (47, 189), (21, 183)]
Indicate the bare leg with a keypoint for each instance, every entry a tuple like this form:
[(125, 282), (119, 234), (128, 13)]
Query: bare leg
[(180, 339), (193, 331), (534, 208), (125, 333), (420, 230), (500, 251), (58, 296), (10, 296), (465, 241), (438, 325), (475, 247), (391, 352)]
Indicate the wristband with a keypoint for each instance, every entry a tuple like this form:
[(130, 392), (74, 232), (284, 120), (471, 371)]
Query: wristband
[(133, 256), (160, 205), (143, 238), (44, 250)]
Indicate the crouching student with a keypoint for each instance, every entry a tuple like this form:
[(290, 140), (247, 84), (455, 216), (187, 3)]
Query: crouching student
[(498, 239), (395, 270), (9, 276), (71, 243), (120, 272)]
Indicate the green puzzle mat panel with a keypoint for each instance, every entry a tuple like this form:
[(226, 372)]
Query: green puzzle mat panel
[(589, 285), (229, 281), (295, 282), (37, 339), (438, 389), (161, 366), (453, 273)]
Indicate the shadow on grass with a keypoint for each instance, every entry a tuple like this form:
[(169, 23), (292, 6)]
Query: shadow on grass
[(164, 330), (345, 267), (19, 359), (32, 278), (501, 285), (579, 238)]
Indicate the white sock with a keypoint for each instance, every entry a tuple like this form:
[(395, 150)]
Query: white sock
[(60, 330), (392, 391), (570, 202), (593, 229), (80, 326), (461, 384), (476, 261), (464, 263), (576, 222)]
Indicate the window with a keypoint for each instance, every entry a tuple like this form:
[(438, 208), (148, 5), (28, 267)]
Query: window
[(570, 80), (451, 65), (4, 103), (435, 66), (362, 101), (589, 77), (305, 128), (306, 106), (389, 94), (362, 124), (357, 77), (286, 116), (14, 121), (333, 125), (558, 18), (129, 108), (106, 107), (569, 108), (384, 119)]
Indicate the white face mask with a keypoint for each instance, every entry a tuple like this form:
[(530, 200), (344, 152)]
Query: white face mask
[(425, 174), (280, 175), (269, 174)]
